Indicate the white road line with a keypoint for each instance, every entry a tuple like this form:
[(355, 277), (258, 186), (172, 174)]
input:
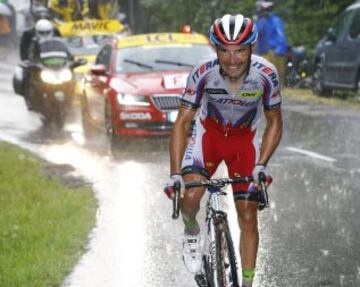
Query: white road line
[(311, 154)]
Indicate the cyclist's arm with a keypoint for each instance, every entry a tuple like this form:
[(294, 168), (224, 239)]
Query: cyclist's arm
[(272, 135), (178, 138)]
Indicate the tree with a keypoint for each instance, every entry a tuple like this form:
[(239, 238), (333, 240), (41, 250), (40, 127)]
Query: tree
[(306, 21)]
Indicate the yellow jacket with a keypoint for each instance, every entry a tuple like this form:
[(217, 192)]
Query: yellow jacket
[(69, 10)]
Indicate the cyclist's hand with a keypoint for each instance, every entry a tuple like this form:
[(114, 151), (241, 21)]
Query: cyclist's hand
[(169, 186), (259, 168)]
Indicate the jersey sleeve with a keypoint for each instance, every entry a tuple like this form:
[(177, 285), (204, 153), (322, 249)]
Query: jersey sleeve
[(271, 84), (195, 85)]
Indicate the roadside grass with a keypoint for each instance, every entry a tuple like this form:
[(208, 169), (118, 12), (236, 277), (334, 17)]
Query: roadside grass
[(344, 100), (44, 225)]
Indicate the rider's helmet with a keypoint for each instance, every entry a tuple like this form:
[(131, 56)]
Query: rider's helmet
[(44, 29), (233, 30), (41, 12), (186, 29)]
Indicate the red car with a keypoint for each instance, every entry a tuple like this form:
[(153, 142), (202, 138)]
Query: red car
[(135, 85)]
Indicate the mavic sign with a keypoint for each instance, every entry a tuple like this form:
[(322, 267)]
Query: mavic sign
[(81, 26), (90, 27)]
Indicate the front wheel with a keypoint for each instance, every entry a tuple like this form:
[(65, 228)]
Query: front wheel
[(225, 256), (60, 116), (115, 141)]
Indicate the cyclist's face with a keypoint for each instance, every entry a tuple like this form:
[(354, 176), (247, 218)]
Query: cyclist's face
[(234, 59)]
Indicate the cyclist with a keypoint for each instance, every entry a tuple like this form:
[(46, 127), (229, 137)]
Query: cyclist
[(229, 89)]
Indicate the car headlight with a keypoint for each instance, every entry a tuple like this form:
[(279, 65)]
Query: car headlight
[(56, 77), (132, 100)]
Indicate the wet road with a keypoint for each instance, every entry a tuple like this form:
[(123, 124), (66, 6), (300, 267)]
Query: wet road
[(309, 237)]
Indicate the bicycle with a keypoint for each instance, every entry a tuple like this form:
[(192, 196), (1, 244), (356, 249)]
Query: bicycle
[(219, 262)]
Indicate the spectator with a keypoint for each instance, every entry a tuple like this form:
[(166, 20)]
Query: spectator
[(103, 9), (69, 10), (272, 42)]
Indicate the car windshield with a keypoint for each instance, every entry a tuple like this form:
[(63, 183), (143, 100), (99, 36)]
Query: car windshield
[(86, 45), (145, 59)]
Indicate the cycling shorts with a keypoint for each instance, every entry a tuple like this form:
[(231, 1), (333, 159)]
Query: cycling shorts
[(211, 143)]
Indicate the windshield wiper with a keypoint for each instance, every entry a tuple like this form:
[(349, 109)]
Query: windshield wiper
[(173, 63), (138, 64)]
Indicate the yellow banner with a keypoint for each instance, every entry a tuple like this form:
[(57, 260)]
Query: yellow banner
[(90, 27), (154, 39)]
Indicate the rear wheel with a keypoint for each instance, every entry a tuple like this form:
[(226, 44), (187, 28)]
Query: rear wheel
[(318, 80), (225, 256)]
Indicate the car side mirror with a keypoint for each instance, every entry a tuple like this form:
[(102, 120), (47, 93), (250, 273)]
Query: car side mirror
[(79, 62), (331, 36), (98, 70)]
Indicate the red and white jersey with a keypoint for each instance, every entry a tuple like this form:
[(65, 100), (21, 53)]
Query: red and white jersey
[(208, 90)]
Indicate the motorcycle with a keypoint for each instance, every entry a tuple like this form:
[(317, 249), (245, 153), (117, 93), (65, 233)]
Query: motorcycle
[(50, 87), (296, 71)]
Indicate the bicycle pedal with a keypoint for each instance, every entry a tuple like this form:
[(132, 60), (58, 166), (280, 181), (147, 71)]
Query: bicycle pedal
[(201, 280)]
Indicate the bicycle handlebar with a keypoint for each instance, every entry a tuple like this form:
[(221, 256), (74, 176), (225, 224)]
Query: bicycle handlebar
[(221, 182)]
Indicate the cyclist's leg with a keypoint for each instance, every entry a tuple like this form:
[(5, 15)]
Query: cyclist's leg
[(190, 205), (199, 162), (240, 160)]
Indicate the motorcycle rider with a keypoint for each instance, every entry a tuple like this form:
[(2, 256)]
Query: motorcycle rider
[(38, 12), (44, 30)]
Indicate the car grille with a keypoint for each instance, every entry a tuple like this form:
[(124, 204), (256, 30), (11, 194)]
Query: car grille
[(166, 102), (150, 126)]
